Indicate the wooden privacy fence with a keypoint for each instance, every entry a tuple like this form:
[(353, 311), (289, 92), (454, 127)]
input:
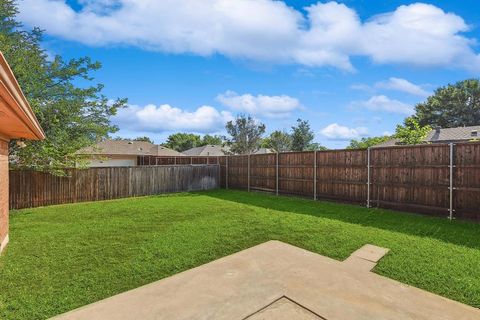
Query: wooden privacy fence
[(32, 189), (437, 179)]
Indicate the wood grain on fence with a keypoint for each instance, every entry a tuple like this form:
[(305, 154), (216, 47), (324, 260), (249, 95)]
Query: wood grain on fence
[(409, 178), (32, 189)]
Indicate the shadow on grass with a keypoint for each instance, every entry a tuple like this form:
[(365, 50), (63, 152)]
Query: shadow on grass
[(455, 232)]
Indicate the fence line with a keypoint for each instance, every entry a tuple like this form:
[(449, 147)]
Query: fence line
[(33, 189), (436, 179)]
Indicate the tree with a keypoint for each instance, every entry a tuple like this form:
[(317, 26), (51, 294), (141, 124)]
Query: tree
[(411, 132), (302, 135), (144, 139), (279, 141), (315, 146), (72, 117), (451, 106), (246, 134), (183, 141), (212, 140), (365, 143)]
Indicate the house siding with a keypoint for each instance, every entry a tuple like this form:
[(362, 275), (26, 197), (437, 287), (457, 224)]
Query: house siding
[(3, 194), (113, 161)]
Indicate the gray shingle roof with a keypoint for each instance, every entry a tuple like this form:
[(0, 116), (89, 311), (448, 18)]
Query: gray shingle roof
[(207, 150), (453, 134), (446, 135), (125, 147)]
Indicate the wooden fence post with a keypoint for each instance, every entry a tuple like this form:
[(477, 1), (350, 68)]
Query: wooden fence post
[(248, 172), (276, 175), (315, 175), (226, 171), (368, 178), (451, 188)]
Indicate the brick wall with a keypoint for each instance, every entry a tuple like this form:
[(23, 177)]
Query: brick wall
[(3, 193)]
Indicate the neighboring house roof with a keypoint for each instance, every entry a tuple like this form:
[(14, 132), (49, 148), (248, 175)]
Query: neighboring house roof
[(126, 147), (388, 143), (17, 119), (442, 136), (207, 150), (264, 150), (454, 134)]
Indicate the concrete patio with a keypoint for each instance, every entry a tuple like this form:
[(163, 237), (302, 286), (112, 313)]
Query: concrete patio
[(275, 280)]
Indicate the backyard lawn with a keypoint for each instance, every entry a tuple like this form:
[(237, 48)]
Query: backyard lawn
[(62, 257)]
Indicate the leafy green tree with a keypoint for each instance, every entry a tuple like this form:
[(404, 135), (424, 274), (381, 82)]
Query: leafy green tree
[(183, 141), (412, 132), (451, 106), (365, 143), (72, 116), (212, 140), (246, 134), (279, 141), (315, 146), (144, 139), (302, 135)]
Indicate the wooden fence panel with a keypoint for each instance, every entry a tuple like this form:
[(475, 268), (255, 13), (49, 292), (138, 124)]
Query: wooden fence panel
[(238, 172), (295, 173), (467, 181), (33, 189), (342, 175), (411, 178), (263, 172)]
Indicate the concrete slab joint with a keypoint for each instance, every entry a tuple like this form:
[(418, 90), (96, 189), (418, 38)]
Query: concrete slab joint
[(366, 258)]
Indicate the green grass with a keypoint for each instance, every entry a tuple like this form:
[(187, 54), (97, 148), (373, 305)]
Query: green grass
[(63, 257)]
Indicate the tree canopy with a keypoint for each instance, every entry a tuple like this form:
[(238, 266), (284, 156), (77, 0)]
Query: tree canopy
[(245, 134), (212, 140), (367, 142), (451, 106), (72, 116), (278, 141), (181, 141), (412, 132), (302, 135)]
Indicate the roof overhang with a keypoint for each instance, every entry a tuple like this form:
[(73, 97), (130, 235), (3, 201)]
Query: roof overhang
[(17, 119)]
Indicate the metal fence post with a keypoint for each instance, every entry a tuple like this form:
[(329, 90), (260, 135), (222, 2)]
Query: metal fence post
[(276, 175), (248, 172), (226, 172), (368, 178), (315, 175), (450, 188)]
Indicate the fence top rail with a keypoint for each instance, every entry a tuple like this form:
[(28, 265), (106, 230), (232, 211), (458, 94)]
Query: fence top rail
[(116, 167)]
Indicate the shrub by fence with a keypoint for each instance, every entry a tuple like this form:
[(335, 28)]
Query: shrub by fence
[(437, 179), (33, 189)]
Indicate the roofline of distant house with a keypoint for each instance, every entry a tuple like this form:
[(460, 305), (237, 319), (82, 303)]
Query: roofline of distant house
[(13, 96)]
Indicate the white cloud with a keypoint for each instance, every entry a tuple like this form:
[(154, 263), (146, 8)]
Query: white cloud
[(335, 131), (260, 105), (385, 104), (402, 85), (329, 34), (152, 118)]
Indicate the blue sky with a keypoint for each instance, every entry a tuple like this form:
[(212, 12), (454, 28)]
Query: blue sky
[(352, 68)]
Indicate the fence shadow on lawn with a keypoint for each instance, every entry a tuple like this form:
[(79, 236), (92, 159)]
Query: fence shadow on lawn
[(455, 232)]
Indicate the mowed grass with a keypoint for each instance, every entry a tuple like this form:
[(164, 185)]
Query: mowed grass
[(63, 257)]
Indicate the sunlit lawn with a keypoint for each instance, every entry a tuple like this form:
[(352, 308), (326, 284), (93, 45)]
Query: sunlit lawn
[(63, 257)]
